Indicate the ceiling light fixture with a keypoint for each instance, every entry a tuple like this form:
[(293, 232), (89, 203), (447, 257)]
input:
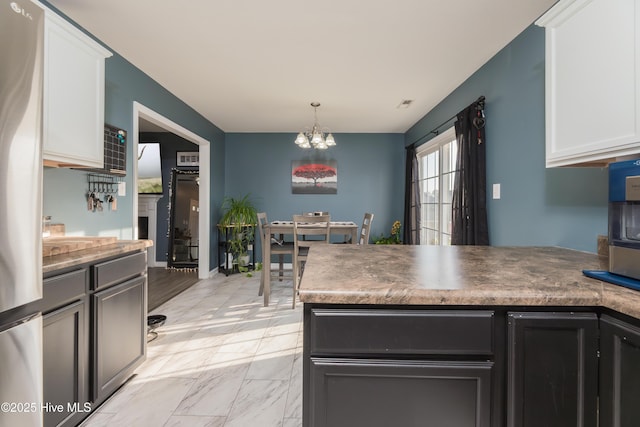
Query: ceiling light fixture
[(315, 137)]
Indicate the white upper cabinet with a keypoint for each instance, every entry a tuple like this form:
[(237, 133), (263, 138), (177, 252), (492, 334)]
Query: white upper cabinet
[(73, 116), (592, 81)]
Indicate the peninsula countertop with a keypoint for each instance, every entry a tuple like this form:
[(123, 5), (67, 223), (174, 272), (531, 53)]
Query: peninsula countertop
[(460, 275), (77, 257)]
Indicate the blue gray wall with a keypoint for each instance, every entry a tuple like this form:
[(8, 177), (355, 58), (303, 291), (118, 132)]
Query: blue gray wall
[(65, 190), (561, 206), (370, 176), (565, 207)]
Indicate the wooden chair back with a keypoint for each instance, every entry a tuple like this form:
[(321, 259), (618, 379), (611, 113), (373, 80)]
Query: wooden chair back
[(307, 231), (366, 229), (276, 248), (311, 229), (262, 223)]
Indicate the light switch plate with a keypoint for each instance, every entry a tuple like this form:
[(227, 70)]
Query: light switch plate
[(496, 191)]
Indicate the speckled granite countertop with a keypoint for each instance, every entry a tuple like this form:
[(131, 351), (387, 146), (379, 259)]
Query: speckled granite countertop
[(460, 275), (58, 262)]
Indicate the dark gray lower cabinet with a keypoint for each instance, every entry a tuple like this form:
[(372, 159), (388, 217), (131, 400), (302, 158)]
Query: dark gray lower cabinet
[(619, 373), (380, 367), (486, 366), (382, 393), (119, 328), (94, 333), (65, 341), (552, 369), (66, 364)]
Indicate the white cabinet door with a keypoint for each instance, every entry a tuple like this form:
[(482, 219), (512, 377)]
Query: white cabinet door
[(73, 128), (592, 81)]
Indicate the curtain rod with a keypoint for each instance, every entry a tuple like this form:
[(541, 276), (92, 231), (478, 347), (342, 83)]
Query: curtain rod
[(435, 130)]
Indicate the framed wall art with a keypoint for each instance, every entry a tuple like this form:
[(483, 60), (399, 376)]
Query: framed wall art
[(308, 177), (188, 158)]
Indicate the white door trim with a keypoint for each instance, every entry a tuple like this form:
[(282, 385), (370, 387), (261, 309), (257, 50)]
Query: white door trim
[(204, 149)]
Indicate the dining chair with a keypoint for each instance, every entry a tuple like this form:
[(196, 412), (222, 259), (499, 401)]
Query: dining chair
[(276, 247), (366, 229), (307, 231)]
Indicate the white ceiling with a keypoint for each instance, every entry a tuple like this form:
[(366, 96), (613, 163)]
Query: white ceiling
[(255, 65)]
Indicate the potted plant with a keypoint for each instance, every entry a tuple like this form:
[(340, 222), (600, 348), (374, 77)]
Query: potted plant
[(393, 239), (240, 215), (238, 212), (238, 245)]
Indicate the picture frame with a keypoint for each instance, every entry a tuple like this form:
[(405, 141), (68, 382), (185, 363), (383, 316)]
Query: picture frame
[(314, 177), (187, 158)]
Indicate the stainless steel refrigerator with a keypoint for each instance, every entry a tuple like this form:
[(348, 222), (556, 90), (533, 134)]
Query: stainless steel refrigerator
[(21, 76)]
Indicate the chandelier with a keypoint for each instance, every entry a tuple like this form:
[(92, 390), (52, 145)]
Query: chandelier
[(315, 138)]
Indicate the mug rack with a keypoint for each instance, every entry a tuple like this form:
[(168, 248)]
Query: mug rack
[(103, 189)]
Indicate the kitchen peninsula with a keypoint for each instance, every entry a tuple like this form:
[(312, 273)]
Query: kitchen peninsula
[(466, 336), (94, 310)]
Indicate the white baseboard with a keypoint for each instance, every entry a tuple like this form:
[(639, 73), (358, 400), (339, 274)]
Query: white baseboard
[(162, 264)]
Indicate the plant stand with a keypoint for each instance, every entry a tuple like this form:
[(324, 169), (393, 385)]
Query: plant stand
[(225, 256)]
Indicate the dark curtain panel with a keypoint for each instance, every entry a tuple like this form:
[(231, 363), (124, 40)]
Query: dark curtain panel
[(411, 199), (469, 192)]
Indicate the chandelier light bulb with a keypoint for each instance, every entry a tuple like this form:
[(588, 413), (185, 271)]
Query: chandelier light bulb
[(330, 141), (301, 139)]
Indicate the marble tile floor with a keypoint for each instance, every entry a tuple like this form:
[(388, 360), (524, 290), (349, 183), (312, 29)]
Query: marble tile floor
[(221, 359)]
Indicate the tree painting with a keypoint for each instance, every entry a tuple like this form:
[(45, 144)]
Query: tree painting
[(314, 171), (314, 178)]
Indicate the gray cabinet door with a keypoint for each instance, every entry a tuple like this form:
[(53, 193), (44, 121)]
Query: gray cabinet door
[(383, 393), (619, 373), (66, 364), (119, 328), (552, 369)]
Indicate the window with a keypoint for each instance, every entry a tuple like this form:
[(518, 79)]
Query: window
[(149, 168), (437, 166)]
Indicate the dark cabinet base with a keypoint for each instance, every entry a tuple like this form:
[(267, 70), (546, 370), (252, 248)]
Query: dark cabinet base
[(399, 366), (119, 328), (94, 336), (382, 393), (444, 366), (619, 373), (552, 369), (65, 364)]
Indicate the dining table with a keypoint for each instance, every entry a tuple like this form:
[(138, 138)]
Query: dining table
[(279, 230)]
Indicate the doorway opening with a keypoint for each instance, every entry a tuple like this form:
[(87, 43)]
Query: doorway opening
[(140, 112)]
